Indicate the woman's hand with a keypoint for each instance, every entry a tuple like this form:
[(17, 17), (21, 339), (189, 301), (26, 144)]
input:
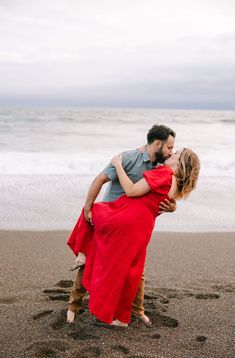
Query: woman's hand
[(142, 149), (116, 160)]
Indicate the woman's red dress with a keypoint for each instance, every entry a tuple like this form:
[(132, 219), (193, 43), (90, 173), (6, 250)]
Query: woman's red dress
[(116, 246)]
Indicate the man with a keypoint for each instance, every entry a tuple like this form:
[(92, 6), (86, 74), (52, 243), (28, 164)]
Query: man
[(160, 143)]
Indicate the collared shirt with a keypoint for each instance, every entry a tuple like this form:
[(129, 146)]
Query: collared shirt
[(134, 164)]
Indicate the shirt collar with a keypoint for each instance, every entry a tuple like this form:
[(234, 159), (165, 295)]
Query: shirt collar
[(146, 156)]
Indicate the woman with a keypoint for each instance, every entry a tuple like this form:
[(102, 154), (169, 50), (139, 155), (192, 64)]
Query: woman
[(115, 247)]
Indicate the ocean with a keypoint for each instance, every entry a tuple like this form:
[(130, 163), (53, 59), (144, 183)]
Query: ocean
[(49, 156)]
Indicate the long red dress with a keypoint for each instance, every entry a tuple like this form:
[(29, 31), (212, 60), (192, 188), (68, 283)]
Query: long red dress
[(116, 246)]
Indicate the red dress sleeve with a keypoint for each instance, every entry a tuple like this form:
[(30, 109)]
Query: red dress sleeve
[(159, 179)]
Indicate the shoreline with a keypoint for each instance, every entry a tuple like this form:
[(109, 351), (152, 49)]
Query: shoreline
[(155, 232), (57, 202), (189, 294)]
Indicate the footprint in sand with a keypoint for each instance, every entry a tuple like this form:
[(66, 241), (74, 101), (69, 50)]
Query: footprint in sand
[(148, 356), (82, 335), (164, 293), (162, 320), (59, 294), (60, 320), (155, 305), (42, 314), (206, 296), (121, 349), (164, 301), (155, 335), (60, 297), (8, 300), (151, 296), (55, 290), (193, 344), (90, 352), (201, 338), (49, 348), (224, 288), (152, 305), (65, 283)]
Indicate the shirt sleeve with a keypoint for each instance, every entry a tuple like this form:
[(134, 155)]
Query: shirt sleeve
[(159, 179), (110, 171)]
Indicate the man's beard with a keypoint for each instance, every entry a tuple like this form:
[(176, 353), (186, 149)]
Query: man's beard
[(160, 159)]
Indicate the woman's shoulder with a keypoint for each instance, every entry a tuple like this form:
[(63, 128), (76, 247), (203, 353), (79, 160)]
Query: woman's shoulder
[(162, 169), (159, 177)]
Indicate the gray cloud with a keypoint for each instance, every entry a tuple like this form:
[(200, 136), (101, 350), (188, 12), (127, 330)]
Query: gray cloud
[(118, 53)]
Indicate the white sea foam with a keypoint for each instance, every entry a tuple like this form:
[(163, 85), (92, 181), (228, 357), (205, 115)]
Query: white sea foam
[(49, 202), (51, 163), (49, 157), (82, 163)]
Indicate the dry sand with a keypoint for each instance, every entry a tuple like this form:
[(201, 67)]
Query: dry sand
[(189, 297)]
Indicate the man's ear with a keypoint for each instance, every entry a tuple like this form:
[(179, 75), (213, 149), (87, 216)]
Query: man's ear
[(157, 144)]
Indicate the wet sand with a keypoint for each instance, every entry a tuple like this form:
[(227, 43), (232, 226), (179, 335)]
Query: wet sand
[(189, 296)]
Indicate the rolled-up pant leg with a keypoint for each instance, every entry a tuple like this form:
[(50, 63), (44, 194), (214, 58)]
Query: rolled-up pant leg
[(77, 293), (138, 304)]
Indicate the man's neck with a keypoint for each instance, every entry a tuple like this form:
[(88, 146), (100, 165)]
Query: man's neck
[(151, 153)]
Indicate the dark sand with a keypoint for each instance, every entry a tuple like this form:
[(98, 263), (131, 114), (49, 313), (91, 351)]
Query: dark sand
[(189, 297)]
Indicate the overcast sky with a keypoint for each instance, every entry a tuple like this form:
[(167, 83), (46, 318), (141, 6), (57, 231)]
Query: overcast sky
[(136, 53)]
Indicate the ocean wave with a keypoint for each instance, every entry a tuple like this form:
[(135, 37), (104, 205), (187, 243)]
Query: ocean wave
[(50, 163), (228, 121), (83, 163), (53, 202)]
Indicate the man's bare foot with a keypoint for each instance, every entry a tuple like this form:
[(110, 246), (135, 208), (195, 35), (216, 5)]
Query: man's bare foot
[(116, 322), (70, 316), (144, 319)]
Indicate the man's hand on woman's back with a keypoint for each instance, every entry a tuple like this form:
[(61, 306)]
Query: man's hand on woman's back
[(167, 206)]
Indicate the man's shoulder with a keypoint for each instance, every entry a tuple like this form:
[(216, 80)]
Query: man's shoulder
[(132, 153), (132, 157)]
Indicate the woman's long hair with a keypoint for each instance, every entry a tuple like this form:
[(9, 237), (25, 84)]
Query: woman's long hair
[(187, 173)]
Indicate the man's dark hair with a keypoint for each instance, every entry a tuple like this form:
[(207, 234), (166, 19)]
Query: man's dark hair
[(159, 132)]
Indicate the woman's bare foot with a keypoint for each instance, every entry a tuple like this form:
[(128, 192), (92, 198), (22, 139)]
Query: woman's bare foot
[(70, 316), (79, 262), (116, 322)]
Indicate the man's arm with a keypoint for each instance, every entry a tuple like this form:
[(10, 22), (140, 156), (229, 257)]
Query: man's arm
[(93, 192), (109, 173)]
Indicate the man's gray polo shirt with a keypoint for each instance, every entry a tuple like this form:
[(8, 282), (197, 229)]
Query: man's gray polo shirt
[(135, 164)]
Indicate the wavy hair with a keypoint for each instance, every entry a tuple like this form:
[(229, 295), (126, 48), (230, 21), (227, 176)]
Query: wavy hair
[(187, 173)]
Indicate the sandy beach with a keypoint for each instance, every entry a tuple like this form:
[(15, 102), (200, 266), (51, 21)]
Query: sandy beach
[(189, 297)]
